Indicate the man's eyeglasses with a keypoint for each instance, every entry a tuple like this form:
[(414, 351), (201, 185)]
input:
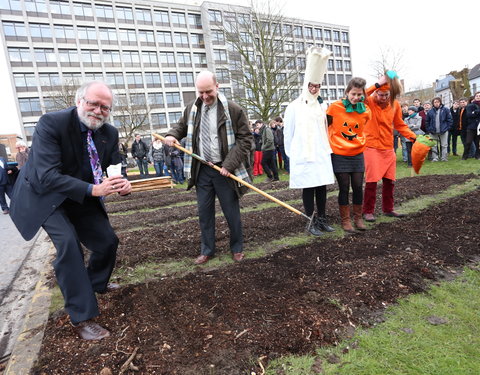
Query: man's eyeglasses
[(103, 108), (313, 86)]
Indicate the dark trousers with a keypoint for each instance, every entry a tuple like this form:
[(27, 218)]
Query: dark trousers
[(5, 189), (209, 184), (452, 140), (69, 226), (285, 158), (409, 152), (471, 137), (370, 196), (269, 165), (142, 166)]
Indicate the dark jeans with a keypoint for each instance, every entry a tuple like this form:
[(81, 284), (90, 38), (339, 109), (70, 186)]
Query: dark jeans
[(471, 138), (285, 158), (142, 166), (409, 153), (463, 138), (452, 139), (269, 165), (209, 184), (158, 165)]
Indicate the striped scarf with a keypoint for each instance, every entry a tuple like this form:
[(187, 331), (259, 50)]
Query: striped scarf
[(240, 172)]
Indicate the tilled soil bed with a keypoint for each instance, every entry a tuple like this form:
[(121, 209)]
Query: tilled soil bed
[(162, 238), (290, 302)]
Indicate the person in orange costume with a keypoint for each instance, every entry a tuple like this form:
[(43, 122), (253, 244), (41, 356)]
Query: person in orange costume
[(380, 158), (346, 121)]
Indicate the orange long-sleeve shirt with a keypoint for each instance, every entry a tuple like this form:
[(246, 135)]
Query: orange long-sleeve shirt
[(379, 130), (346, 130)]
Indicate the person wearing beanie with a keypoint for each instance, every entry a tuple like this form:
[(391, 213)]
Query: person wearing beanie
[(306, 142)]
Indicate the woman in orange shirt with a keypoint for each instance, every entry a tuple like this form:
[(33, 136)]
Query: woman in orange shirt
[(347, 119)]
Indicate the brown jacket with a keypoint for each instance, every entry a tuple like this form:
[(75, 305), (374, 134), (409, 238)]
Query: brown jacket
[(240, 153)]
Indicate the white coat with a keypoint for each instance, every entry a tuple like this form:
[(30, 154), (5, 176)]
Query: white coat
[(306, 143)]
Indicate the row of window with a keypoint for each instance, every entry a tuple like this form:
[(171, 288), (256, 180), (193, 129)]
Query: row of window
[(105, 12)]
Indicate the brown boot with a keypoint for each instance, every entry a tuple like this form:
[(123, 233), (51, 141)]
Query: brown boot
[(345, 216), (357, 217)]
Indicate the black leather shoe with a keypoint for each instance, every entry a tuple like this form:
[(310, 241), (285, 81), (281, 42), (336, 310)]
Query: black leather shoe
[(321, 224), (312, 228)]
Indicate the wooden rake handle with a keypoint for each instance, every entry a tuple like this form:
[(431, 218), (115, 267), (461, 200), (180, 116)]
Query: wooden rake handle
[(239, 180)]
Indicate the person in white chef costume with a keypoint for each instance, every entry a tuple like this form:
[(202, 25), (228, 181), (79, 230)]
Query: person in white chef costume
[(307, 144)]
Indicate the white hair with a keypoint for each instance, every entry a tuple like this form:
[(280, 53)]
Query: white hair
[(82, 90)]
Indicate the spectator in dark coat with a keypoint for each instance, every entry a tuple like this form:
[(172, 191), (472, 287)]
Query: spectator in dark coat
[(472, 126), (140, 153), (7, 179), (454, 131), (439, 120)]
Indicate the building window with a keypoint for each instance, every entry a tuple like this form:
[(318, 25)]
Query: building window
[(336, 36), (115, 80), (200, 59), (64, 34), (218, 37), (330, 65), (15, 30), (25, 81), (87, 34), (223, 75), (60, 7), (178, 20), (186, 78), (289, 47), (339, 64), (164, 38), (104, 12), (11, 5), (300, 47), (131, 58), (152, 79), (155, 99), (82, 11), (35, 6), (167, 58), (161, 17), (348, 66), (328, 35), (184, 59), (346, 51), (40, 32), (128, 36), (94, 76), (134, 80), (181, 39), (197, 40), (318, 34), (195, 20), (340, 80), (149, 58), (69, 57), (298, 31), (214, 16), (146, 37), (46, 57), (331, 80), (173, 99), (109, 36), (345, 37), (308, 33), (337, 51), (125, 14), (143, 16), (227, 91), (332, 94), (287, 30), (111, 58), (91, 57), (170, 79), (30, 106), (49, 80), (159, 119), (301, 62), (174, 117), (220, 55)]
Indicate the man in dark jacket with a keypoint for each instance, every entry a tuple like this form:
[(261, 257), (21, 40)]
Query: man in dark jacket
[(217, 130), (473, 122), (439, 120), (60, 189), (140, 154), (7, 179)]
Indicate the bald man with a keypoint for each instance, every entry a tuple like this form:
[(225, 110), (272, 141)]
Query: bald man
[(60, 189), (218, 130)]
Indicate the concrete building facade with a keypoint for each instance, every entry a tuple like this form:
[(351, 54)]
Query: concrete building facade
[(148, 51)]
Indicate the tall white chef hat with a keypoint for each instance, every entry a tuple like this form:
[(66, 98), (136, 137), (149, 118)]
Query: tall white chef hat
[(317, 60)]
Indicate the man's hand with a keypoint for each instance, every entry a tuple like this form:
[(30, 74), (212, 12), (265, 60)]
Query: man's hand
[(170, 141), (224, 172), (110, 185)]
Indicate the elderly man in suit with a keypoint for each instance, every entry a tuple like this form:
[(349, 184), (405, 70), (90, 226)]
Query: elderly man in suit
[(61, 189)]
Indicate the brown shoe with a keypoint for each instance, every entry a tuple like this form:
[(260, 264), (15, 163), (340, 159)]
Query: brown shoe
[(89, 330), (357, 217), (202, 259), (238, 257), (394, 214)]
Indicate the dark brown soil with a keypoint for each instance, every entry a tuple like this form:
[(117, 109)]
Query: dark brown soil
[(290, 302)]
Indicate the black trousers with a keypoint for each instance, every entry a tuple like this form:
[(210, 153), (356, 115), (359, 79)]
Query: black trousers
[(71, 225), (269, 164), (209, 184)]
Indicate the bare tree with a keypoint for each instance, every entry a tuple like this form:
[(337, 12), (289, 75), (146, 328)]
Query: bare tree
[(389, 59), (64, 96), (262, 60), (131, 115)]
